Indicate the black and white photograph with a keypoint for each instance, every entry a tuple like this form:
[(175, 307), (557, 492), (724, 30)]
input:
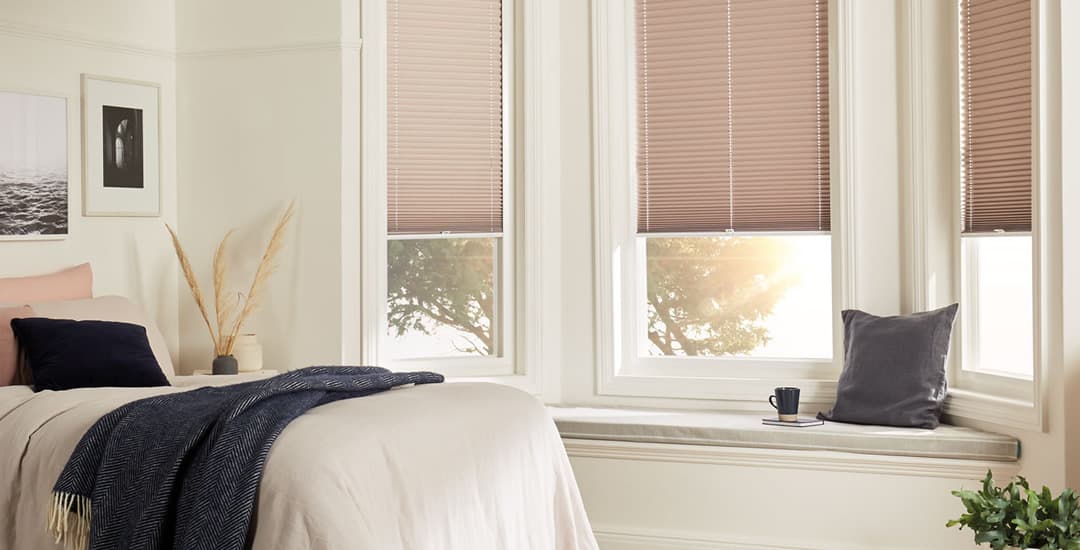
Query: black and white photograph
[(122, 147), (121, 150), (33, 166)]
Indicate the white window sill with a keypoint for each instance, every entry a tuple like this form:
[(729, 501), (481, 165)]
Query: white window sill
[(1002, 411), (692, 431)]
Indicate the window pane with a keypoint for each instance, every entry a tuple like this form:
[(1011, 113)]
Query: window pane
[(996, 310), (441, 297), (739, 296)]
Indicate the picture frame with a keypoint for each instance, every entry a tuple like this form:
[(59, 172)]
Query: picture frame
[(35, 192), (121, 147)]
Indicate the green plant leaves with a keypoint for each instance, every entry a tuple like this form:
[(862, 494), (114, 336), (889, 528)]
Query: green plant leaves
[(1018, 516)]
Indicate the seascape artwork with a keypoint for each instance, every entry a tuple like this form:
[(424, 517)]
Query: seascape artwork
[(33, 166)]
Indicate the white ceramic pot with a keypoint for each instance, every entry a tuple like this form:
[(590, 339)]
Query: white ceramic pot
[(248, 353)]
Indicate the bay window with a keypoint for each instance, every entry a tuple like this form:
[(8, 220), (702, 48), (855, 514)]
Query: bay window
[(982, 220), (715, 247), (996, 190)]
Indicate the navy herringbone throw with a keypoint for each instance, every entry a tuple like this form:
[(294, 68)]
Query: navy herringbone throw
[(181, 471)]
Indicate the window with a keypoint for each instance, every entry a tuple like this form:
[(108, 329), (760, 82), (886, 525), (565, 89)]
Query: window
[(996, 180), (732, 134), (767, 296), (997, 317), (716, 253), (442, 299), (449, 224)]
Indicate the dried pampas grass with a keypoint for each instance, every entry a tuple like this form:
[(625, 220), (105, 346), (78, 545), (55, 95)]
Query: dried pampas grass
[(192, 281), (227, 322), (224, 304), (267, 266)]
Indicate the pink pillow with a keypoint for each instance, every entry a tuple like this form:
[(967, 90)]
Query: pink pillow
[(73, 283), (9, 355)]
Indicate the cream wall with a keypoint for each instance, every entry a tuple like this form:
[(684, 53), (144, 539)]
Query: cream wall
[(1070, 203), (45, 46), (268, 99)]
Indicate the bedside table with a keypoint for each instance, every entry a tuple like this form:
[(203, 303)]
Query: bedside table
[(265, 373), (204, 378)]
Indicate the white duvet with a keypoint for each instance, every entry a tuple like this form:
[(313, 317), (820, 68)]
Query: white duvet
[(456, 466)]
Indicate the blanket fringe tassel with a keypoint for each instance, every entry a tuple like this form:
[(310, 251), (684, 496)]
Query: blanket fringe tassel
[(69, 520)]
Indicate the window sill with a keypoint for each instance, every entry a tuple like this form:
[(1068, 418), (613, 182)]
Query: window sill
[(724, 437), (1001, 411)]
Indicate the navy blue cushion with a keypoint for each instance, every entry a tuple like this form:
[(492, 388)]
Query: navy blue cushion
[(64, 354)]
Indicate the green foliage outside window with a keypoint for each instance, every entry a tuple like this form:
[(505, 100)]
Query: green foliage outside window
[(706, 296), (711, 295)]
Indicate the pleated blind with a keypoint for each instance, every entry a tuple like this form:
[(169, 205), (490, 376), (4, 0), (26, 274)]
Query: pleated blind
[(733, 115), (445, 117), (996, 110)]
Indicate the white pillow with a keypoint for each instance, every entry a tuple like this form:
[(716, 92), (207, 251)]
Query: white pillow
[(110, 308)]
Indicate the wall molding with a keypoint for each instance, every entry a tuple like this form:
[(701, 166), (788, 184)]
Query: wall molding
[(273, 49), (845, 164), (373, 154), (608, 165), (821, 461), (19, 30), (913, 135), (634, 538), (540, 164)]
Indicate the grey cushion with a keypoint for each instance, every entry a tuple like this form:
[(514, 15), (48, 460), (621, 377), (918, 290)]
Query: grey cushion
[(894, 368)]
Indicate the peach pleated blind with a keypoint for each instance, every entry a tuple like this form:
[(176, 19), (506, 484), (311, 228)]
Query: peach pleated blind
[(733, 115), (996, 110), (444, 117)]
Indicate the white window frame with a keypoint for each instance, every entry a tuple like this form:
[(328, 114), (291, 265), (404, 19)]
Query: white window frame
[(530, 162), (619, 308), (934, 216)]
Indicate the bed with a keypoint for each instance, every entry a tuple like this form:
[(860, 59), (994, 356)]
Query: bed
[(443, 466)]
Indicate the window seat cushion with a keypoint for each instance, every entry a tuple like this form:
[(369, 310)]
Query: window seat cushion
[(741, 429)]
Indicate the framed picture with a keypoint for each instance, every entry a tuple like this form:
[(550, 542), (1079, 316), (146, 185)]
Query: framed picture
[(121, 147), (33, 166)]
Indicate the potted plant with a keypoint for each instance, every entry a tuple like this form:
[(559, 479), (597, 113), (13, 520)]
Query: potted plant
[(1016, 516)]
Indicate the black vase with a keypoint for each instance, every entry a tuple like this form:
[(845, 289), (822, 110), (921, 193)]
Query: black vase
[(224, 364)]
